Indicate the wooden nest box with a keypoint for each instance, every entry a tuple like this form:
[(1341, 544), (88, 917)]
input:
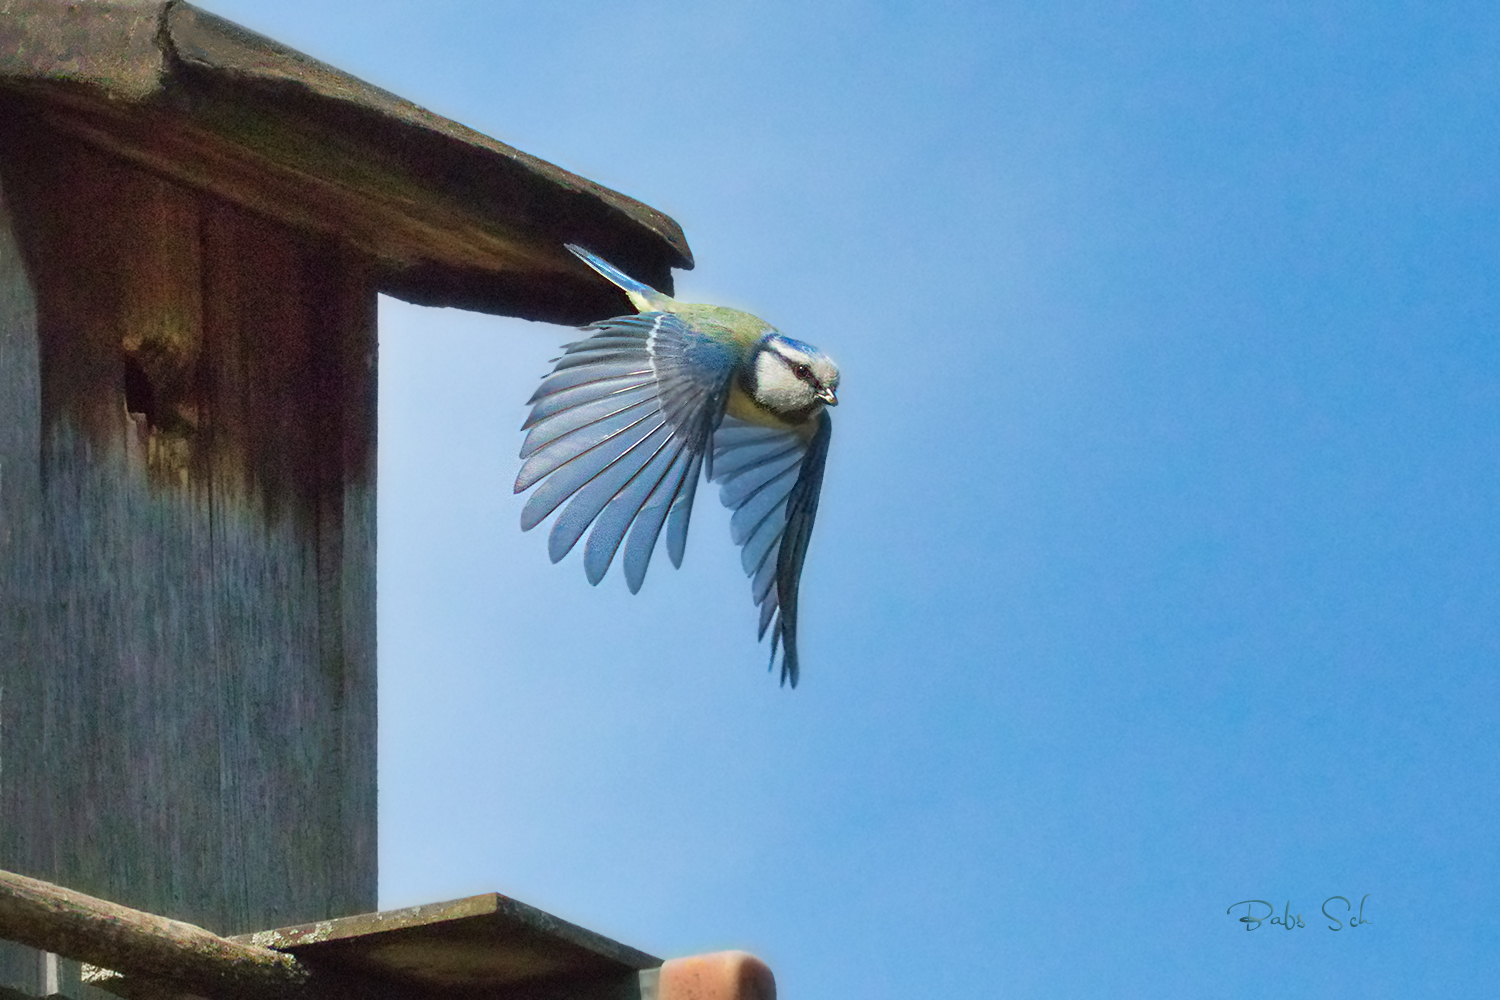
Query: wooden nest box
[(194, 224)]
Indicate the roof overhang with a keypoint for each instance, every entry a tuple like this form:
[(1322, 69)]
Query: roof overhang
[(448, 216)]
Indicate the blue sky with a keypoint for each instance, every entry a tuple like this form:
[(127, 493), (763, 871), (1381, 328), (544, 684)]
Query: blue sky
[(1157, 565)]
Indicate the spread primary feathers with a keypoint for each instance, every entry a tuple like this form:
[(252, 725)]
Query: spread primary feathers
[(622, 426)]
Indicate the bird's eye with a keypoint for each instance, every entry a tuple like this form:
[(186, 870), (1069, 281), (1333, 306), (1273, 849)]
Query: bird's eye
[(802, 371)]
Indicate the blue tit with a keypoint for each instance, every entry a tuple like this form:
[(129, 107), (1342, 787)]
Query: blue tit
[(629, 417)]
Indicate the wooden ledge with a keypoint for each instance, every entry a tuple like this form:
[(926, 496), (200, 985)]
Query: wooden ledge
[(487, 947)]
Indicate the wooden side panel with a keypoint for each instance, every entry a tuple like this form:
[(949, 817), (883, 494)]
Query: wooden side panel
[(20, 430), (187, 549)]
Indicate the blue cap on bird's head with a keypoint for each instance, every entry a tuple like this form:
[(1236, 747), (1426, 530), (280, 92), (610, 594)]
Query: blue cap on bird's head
[(629, 417)]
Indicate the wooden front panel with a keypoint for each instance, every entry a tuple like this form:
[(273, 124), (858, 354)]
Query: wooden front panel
[(187, 548)]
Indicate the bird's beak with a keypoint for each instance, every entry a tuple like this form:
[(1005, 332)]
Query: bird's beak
[(826, 395)]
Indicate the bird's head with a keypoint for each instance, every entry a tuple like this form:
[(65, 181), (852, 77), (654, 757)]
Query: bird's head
[(792, 379)]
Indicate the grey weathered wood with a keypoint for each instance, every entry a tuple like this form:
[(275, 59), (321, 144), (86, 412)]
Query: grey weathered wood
[(143, 945), (187, 538), (484, 944), (487, 946), (194, 222)]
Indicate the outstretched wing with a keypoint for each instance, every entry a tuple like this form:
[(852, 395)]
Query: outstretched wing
[(771, 479), (619, 431)]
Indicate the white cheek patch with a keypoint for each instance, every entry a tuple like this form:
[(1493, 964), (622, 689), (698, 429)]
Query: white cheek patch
[(777, 389), (826, 372)]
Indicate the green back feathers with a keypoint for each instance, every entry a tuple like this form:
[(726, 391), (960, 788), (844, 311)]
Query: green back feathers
[(743, 329)]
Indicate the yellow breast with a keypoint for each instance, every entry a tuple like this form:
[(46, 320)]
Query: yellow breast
[(742, 406)]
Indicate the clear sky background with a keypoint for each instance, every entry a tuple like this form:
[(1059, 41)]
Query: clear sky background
[(1158, 563)]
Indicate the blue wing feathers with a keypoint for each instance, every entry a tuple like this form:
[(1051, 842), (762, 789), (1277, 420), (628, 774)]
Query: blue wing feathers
[(571, 435), (762, 541), (578, 472), (765, 574), (648, 523), (590, 498), (624, 332), (770, 479), (761, 501), (744, 460), (617, 430), (739, 434), (616, 438), (603, 345), (622, 510), (609, 409), (802, 509), (583, 375), (622, 328), (767, 611), (596, 355), (749, 490), (581, 396), (681, 513), (599, 371)]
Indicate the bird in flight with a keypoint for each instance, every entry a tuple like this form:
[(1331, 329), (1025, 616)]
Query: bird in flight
[(629, 418)]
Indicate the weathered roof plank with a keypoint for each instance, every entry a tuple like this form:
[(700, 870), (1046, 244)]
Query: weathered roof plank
[(481, 942), (488, 946), (448, 215)]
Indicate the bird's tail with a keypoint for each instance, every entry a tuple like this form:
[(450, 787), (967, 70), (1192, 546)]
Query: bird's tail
[(644, 297)]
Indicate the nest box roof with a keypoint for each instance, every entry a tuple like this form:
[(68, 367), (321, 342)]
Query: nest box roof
[(449, 216)]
